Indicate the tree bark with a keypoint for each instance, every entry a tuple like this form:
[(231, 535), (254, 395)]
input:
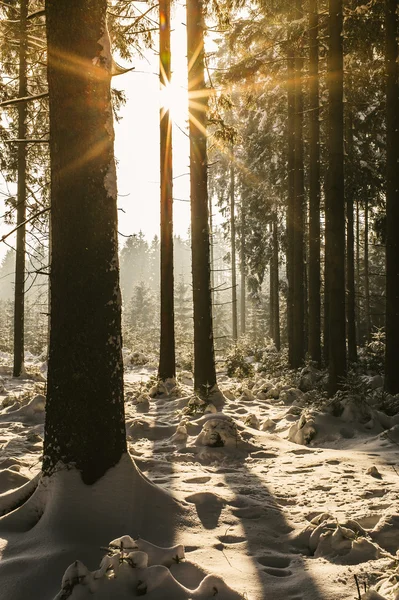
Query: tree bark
[(358, 304), (335, 202), (291, 201), (298, 218), (233, 254), (19, 293), (85, 425), (392, 198), (204, 358), (314, 187), (367, 271), (350, 239), (167, 359), (275, 286), (242, 272)]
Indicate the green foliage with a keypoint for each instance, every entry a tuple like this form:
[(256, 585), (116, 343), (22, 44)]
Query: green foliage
[(237, 364), (374, 355)]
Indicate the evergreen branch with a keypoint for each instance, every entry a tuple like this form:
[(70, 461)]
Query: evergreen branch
[(37, 13), (24, 99), (41, 212)]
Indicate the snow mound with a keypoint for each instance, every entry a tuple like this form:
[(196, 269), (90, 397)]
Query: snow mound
[(346, 543), (217, 432), (134, 568)]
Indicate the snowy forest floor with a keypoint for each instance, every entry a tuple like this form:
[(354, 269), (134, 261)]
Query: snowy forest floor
[(274, 518)]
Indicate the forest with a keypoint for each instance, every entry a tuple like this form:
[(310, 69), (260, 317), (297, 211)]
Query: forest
[(214, 415)]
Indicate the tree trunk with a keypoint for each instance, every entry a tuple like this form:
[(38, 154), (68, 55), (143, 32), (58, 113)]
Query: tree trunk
[(350, 240), (242, 271), (298, 216), (85, 425), (367, 272), (335, 202), (290, 202), (359, 304), (392, 198), (275, 287), (204, 358), (271, 290), (167, 361), (19, 293), (314, 187), (233, 253)]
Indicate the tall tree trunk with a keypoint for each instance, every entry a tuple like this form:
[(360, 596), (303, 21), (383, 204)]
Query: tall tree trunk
[(326, 322), (367, 271), (392, 198), (350, 238), (271, 290), (233, 253), (359, 304), (19, 294), (242, 272), (275, 287), (211, 252), (290, 201), (335, 201), (298, 220), (314, 187), (204, 357), (167, 361), (85, 424)]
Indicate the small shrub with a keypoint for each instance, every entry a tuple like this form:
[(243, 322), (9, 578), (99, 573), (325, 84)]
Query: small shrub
[(237, 364)]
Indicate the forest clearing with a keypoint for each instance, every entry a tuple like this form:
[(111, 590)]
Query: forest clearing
[(212, 414)]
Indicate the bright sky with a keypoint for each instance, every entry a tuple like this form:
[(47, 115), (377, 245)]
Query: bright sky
[(137, 143), (137, 140)]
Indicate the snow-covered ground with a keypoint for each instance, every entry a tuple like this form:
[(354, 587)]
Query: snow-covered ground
[(273, 519)]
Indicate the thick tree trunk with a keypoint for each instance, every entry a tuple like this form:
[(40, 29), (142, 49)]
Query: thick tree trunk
[(290, 201), (392, 196), (233, 254), (350, 241), (314, 187), (85, 424), (19, 293), (167, 361), (204, 358), (335, 201)]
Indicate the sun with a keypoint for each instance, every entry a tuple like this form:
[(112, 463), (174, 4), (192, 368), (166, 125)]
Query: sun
[(174, 98)]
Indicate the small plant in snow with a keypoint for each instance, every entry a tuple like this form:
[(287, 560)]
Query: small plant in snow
[(237, 364), (374, 356)]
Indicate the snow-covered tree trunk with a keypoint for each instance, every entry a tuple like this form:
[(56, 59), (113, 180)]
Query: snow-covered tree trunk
[(85, 413)]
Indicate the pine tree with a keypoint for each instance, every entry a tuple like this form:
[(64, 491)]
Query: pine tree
[(335, 202), (167, 366), (204, 358), (85, 411), (392, 197)]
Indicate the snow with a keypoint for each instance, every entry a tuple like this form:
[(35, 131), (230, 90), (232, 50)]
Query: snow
[(264, 497)]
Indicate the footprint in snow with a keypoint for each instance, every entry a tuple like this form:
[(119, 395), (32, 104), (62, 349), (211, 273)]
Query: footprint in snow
[(275, 565)]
